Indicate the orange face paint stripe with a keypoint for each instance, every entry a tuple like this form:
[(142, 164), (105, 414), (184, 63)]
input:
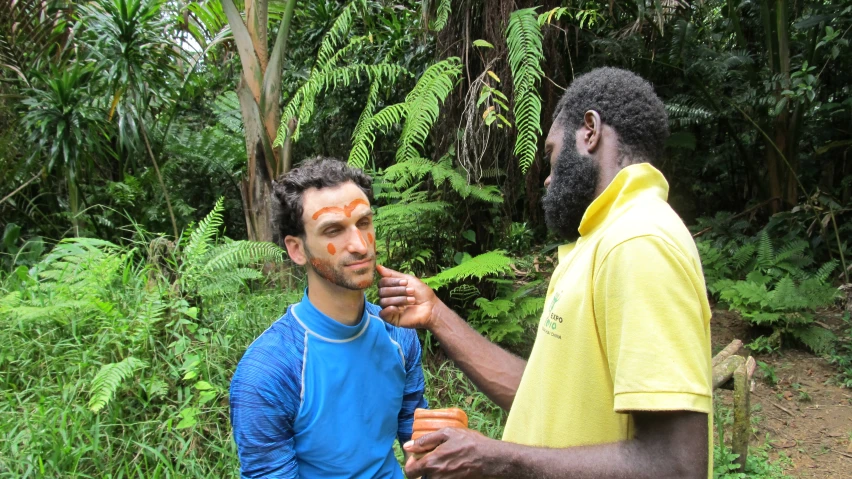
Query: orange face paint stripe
[(347, 210), (361, 237), (327, 209), (370, 237), (351, 207)]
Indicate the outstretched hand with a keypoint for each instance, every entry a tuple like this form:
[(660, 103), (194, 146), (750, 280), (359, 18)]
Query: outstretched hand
[(406, 302), (450, 453)]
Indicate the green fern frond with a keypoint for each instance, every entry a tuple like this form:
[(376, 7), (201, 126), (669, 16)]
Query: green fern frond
[(444, 10), (335, 35), (742, 255), (364, 135), (422, 105), (765, 251), (226, 107), (486, 264), (108, 380), (230, 281), (684, 111), (406, 213), (524, 39), (10, 301), (348, 51), (824, 272), (301, 105), (443, 171), (819, 340), (529, 307), (230, 255), (404, 174), (420, 110), (366, 116), (201, 239), (790, 250)]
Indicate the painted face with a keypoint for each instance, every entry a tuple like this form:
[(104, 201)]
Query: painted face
[(340, 242)]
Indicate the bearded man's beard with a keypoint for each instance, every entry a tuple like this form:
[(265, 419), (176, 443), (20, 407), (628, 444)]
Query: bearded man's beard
[(572, 189), (335, 274)]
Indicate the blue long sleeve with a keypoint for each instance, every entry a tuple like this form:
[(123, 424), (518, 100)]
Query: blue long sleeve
[(265, 395), (415, 384)]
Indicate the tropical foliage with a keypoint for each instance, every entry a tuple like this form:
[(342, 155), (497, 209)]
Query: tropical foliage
[(123, 117)]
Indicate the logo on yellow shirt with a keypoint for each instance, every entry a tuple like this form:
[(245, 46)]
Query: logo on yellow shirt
[(552, 320)]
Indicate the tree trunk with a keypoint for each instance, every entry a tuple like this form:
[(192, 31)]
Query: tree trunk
[(259, 92)]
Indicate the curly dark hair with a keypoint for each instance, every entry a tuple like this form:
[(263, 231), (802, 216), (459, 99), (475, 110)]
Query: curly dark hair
[(626, 102), (287, 190)]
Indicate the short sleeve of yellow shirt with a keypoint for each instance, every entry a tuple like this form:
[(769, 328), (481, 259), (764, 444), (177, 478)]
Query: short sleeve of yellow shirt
[(651, 327)]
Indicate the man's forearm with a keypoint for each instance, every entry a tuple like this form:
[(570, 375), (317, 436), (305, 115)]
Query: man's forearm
[(626, 459), (496, 372), (667, 445)]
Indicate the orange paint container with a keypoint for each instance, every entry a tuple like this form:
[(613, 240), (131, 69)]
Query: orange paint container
[(430, 420)]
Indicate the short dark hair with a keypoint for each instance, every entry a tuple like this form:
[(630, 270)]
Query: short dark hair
[(626, 102), (288, 190)]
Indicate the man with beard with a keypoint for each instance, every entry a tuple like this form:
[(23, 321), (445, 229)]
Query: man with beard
[(618, 383), (327, 388)]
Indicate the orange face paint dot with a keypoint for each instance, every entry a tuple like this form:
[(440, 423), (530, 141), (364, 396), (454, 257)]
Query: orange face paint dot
[(331, 249)]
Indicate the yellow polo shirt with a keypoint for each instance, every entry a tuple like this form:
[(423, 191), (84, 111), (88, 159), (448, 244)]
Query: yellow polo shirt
[(625, 327)]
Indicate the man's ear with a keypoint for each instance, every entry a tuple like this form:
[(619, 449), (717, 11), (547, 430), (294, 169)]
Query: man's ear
[(296, 249), (593, 130)]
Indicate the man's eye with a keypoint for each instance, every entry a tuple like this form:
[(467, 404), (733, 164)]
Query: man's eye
[(332, 232)]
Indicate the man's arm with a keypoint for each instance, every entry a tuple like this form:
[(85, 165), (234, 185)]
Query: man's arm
[(666, 445), (413, 395), (263, 405), (409, 303)]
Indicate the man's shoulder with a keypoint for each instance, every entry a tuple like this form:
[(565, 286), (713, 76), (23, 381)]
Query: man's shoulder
[(649, 219), (279, 348)]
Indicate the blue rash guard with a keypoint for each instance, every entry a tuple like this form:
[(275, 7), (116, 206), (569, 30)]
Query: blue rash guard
[(313, 398)]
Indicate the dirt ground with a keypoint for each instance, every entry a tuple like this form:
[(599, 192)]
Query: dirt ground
[(805, 416)]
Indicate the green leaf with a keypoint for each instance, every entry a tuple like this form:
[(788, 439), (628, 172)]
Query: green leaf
[(203, 386), (188, 418), (206, 397), (469, 235), (482, 43)]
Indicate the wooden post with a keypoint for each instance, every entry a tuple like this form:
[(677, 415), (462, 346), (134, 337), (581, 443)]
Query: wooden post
[(742, 422), (727, 364)]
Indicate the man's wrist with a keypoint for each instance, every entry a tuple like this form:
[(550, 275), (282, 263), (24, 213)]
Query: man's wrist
[(438, 318), (497, 458)]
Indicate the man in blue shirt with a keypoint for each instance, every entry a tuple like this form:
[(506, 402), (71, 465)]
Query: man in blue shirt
[(327, 388)]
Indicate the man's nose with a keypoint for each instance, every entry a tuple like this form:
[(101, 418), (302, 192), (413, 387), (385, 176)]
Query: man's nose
[(357, 242)]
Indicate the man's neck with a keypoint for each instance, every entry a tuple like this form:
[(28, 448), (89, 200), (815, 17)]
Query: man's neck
[(343, 305)]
